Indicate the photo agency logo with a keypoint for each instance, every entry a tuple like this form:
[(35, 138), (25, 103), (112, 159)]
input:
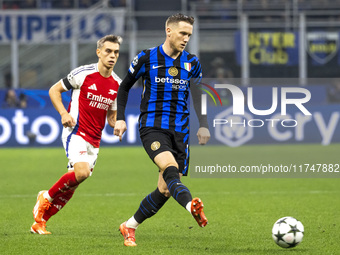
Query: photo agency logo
[(235, 125)]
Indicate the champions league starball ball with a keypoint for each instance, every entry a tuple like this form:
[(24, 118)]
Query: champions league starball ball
[(287, 232)]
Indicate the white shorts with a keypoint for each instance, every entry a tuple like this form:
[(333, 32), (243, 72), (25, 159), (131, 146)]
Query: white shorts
[(79, 150)]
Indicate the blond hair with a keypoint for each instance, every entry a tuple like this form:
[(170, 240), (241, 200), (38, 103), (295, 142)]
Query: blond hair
[(109, 38)]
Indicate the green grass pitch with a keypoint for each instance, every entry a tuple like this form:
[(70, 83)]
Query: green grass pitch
[(241, 211)]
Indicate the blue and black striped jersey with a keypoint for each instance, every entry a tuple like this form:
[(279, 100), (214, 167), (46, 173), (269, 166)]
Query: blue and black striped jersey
[(166, 83)]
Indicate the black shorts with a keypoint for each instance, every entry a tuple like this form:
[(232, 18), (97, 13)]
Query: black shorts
[(156, 140)]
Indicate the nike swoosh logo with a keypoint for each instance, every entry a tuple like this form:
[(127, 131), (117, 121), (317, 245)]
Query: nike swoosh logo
[(154, 67)]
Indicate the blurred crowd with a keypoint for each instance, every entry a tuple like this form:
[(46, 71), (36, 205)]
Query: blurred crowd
[(217, 69), (56, 4), (257, 4), (12, 100), (228, 9), (267, 3)]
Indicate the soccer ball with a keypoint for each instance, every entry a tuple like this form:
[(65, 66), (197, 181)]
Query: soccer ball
[(287, 232)]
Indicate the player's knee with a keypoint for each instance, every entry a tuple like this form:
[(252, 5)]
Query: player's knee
[(82, 176), (166, 166), (82, 172)]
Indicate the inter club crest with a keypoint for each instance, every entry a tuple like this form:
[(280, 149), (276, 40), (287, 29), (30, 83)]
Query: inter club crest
[(173, 71), (322, 46), (155, 145)]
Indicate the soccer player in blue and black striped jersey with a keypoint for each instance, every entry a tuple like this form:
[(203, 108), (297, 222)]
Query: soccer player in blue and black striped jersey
[(168, 71)]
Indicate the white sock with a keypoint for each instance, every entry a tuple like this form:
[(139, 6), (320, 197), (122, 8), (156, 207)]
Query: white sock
[(47, 196), (188, 207), (132, 223)]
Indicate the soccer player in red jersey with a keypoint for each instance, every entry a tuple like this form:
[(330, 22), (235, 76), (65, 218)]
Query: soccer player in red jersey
[(94, 91)]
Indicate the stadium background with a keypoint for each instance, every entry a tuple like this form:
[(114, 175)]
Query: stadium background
[(271, 41), (258, 43)]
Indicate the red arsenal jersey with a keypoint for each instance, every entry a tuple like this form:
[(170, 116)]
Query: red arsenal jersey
[(92, 96)]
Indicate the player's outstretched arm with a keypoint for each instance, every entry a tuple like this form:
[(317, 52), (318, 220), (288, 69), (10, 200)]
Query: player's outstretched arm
[(122, 98), (119, 129), (122, 95), (55, 95), (203, 135)]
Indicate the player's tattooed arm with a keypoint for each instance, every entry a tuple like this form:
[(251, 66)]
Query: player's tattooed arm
[(111, 117)]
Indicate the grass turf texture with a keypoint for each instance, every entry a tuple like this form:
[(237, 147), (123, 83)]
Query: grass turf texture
[(241, 212)]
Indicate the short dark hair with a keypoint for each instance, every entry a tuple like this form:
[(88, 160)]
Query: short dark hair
[(109, 38), (180, 17)]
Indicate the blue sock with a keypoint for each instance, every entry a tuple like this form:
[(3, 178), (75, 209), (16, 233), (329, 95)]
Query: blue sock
[(150, 205), (176, 188)]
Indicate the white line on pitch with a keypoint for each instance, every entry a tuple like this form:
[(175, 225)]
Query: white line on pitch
[(198, 193)]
